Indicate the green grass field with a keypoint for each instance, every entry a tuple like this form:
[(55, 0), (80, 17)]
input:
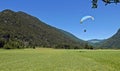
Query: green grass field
[(59, 60)]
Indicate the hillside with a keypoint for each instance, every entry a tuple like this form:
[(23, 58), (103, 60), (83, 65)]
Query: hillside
[(112, 42), (96, 42), (18, 30)]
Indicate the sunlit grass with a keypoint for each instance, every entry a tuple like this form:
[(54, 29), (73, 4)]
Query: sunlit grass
[(59, 60)]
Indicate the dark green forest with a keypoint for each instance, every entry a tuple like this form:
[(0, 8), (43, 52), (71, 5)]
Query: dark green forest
[(21, 30)]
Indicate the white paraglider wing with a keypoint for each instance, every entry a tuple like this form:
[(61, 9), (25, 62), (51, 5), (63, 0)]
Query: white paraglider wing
[(85, 18)]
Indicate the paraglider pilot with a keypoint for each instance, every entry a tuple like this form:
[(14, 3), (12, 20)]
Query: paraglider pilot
[(84, 30)]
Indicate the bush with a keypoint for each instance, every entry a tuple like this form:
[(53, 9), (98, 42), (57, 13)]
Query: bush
[(2, 43), (88, 46), (13, 45)]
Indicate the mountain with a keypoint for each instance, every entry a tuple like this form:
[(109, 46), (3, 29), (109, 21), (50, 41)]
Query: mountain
[(95, 40), (112, 42), (21, 30)]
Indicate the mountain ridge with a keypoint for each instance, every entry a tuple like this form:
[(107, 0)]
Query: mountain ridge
[(112, 42), (95, 40), (19, 28)]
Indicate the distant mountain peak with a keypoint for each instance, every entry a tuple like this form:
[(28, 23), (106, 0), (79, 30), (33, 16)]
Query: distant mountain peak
[(21, 12), (7, 11), (95, 40)]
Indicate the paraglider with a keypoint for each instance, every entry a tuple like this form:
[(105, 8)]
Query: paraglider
[(85, 18)]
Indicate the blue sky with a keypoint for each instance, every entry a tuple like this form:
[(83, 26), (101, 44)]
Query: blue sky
[(66, 15)]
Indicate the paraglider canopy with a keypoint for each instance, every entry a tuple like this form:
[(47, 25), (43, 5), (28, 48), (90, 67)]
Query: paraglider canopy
[(85, 18)]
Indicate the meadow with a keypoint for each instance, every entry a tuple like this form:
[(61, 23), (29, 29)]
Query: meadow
[(45, 59)]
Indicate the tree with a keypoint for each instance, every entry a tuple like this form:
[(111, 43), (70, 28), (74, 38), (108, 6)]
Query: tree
[(94, 2), (88, 46)]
